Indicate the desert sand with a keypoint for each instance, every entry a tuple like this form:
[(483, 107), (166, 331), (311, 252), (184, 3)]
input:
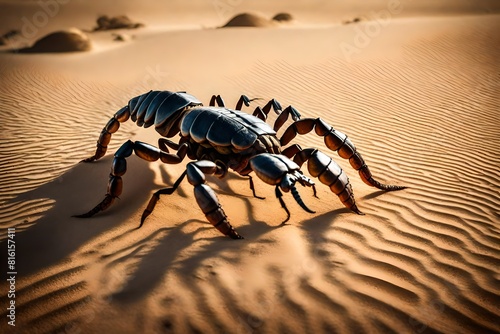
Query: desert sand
[(415, 86)]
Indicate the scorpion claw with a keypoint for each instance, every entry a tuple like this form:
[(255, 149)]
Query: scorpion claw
[(295, 113)]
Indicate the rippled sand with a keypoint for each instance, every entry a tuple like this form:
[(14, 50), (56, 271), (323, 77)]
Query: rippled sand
[(419, 101)]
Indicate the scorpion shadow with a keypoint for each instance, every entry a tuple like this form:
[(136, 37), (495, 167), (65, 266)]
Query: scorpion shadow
[(164, 257), (56, 235)]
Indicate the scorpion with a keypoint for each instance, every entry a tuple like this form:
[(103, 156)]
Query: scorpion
[(217, 139)]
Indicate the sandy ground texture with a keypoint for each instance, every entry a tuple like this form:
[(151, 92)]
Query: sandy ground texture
[(415, 86)]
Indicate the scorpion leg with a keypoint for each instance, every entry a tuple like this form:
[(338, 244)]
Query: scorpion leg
[(169, 158), (164, 144), (283, 117), (206, 197), (259, 114), (156, 197), (119, 167), (218, 99), (329, 173), (262, 113), (336, 141), (272, 103), (115, 184), (252, 187), (290, 151), (111, 127), (244, 100), (279, 196)]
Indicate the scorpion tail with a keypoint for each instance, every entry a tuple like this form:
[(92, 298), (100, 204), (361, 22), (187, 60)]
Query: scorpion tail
[(366, 175), (335, 141), (111, 127)]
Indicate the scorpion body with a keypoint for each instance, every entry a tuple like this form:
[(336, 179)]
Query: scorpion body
[(218, 139)]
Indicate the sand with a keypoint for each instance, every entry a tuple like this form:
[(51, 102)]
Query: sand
[(417, 93)]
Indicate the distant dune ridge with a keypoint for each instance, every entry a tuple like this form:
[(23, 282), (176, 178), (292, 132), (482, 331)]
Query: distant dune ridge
[(283, 17), (71, 40), (248, 20), (105, 22), (257, 20), (4, 39), (417, 95)]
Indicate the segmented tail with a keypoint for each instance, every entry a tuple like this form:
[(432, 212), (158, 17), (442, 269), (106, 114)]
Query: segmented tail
[(366, 176)]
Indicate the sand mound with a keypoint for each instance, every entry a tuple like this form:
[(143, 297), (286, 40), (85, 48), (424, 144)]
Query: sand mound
[(4, 39), (71, 40), (248, 20), (283, 17), (354, 20), (121, 37), (118, 22)]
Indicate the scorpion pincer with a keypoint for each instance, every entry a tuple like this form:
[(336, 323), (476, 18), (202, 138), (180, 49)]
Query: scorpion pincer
[(216, 138)]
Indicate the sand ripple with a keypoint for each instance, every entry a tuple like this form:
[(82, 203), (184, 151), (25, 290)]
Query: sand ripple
[(424, 259)]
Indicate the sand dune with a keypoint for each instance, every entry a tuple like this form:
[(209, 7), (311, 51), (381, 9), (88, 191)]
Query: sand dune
[(257, 20), (420, 102), (283, 17), (249, 20), (71, 40)]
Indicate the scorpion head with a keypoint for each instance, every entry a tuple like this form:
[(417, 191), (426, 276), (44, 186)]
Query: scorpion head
[(278, 170)]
